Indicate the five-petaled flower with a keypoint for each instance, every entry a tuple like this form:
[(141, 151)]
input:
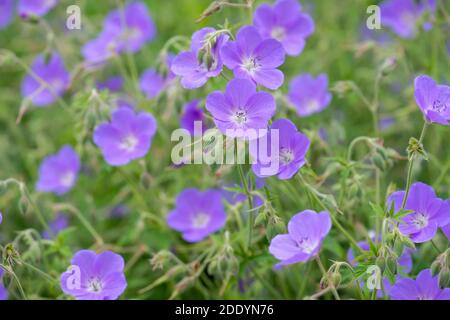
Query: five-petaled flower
[(306, 231), (197, 214), (433, 99), (425, 287), (252, 57)]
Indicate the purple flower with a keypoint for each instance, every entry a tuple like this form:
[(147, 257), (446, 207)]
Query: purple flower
[(425, 287), (306, 231), (53, 73), (433, 99), (58, 173), (113, 84), (119, 211), (386, 123), (197, 214), (6, 12), (192, 113), (125, 31), (152, 82), (202, 62), (251, 57), (240, 108), (35, 7), (236, 197), (127, 137), (284, 22), (3, 291), (429, 212), (446, 228), (1, 217), (405, 260), (309, 95), (99, 276), (292, 148), (402, 16), (58, 224)]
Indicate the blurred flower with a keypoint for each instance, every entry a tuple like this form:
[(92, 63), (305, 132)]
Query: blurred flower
[(284, 22), (58, 173), (119, 211), (197, 214), (113, 84), (58, 224), (236, 197), (306, 231), (293, 146), (251, 57), (429, 212), (6, 12), (446, 227), (55, 76), (100, 276), (378, 36), (152, 83), (433, 99), (240, 108), (403, 16), (125, 31), (38, 8), (386, 123), (1, 217), (425, 287), (127, 137), (203, 61), (3, 291), (309, 95), (192, 113)]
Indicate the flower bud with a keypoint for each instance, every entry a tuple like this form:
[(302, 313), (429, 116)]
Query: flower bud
[(435, 268), (444, 278), (391, 264)]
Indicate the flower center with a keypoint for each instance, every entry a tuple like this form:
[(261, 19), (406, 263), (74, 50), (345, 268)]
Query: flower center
[(306, 244), (420, 220), (240, 117), (278, 33), (251, 65), (95, 285), (439, 106), (129, 143), (312, 105), (67, 179), (286, 156), (200, 220)]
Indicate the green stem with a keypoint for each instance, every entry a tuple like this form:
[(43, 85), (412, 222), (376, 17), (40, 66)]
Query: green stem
[(325, 274)]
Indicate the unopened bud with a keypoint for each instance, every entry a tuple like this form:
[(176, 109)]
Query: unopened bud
[(444, 278)]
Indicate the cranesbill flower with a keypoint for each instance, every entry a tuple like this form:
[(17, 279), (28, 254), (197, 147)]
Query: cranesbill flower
[(35, 7), (252, 57), (284, 22), (446, 228), (3, 291), (425, 287), (192, 113), (306, 231), (1, 217), (6, 12), (55, 76), (58, 173), (152, 82), (237, 197), (98, 50), (112, 84), (197, 214), (94, 276), (308, 94), (240, 108), (292, 149), (127, 137), (203, 61), (433, 99), (57, 225), (429, 212)]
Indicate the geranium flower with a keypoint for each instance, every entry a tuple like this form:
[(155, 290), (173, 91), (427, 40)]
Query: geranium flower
[(251, 57), (306, 231), (127, 137), (308, 94), (284, 22), (197, 214), (152, 82), (53, 73), (58, 173), (100, 277), (425, 287), (433, 99), (202, 62), (3, 291), (58, 224), (240, 108), (191, 114), (38, 8), (6, 12)]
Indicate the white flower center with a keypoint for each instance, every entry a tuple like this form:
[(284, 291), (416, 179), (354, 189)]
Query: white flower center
[(278, 33), (129, 143), (67, 179), (240, 117), (251, 65), (420, 220), (95, 285), (286, 156), (306, 244), (200, 220), (312, 105)]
